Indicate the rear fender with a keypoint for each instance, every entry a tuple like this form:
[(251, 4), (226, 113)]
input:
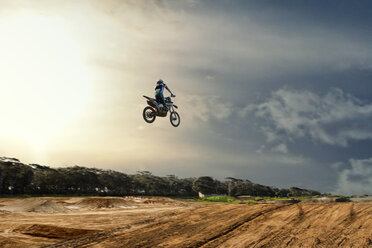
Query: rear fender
[(152, 104)]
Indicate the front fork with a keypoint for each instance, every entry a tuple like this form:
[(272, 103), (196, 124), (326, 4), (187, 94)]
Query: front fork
[(172, 111)]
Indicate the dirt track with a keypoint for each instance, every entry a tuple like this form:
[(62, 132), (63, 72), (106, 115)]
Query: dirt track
[(170, 224)]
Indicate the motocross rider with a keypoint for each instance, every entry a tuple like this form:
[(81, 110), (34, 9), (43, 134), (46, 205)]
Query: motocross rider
[(160, 85)]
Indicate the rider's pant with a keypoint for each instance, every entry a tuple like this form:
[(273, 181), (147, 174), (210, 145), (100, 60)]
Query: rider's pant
[(160, 98)]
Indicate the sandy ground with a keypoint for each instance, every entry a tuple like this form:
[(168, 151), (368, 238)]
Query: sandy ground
[(162, 222)]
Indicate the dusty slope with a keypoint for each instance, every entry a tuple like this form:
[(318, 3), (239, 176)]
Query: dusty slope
[(50, 231), (294, 225), (34, 205), (25, 228), (159, 222), (102, 202), (308, 225)]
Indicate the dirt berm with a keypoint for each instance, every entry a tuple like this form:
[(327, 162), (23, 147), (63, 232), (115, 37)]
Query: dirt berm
[(34, 205), (102, 202), (51, 231), (238, 225)]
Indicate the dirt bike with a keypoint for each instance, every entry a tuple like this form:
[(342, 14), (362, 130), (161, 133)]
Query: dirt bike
[(150, 112)]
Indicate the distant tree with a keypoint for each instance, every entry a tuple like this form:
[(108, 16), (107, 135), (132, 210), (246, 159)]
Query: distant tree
[(282, 193), (263, 190), (221, 187), (294, 191), (231, 185), (144, 173), (15, 177), (19, 178), (113, 182), (205, 185), (185, 187), (240, 187)]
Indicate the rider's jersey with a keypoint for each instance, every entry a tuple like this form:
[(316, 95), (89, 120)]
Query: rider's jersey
[(160, 88)]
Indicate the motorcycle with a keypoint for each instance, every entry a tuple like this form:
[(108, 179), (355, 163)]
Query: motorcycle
[(150, 112)]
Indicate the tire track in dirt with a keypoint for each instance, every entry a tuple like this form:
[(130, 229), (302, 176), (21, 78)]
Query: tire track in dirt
[(287, 234), (189, 228), (351, 225), (275, 240), (268, 238), (96, 238), (315, 225), (239, 225), (293, 230), (212, 221), (213, 242), (336, 234)]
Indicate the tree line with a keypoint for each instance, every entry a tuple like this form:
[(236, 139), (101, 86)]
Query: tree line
[(33, 179)]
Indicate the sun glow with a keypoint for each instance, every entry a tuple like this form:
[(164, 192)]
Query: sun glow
[(44, 84)]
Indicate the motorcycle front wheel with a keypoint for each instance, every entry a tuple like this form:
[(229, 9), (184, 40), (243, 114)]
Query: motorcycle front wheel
[(149, 114), (175, 119)]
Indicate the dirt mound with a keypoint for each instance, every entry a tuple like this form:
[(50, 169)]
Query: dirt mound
[(4, 212), (35, 205), (320, 200), (124, 202), (153, 200), (100, 202), (10, 243), (292, 201), (49, 231), (161, 200)]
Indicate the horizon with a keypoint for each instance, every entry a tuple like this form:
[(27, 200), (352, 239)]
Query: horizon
[(274, 93)]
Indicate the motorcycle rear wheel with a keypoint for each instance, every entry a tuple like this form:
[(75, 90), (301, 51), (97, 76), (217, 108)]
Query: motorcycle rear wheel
[(175, 119), (149, 114)]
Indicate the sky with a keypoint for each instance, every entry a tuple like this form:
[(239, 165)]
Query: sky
[(274, 92)]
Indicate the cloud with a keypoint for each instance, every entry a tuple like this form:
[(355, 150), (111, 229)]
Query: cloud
[(281, 148), (209, 77), (357, 179), (206, 108), (335, 118), (246, 110)]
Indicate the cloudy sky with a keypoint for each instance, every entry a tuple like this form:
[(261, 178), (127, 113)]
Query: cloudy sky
[(278, 93)]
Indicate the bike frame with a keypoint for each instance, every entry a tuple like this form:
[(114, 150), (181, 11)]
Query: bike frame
[(153, 103)]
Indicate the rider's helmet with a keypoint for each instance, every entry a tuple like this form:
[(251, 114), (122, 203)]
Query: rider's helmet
[(160, 81)]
